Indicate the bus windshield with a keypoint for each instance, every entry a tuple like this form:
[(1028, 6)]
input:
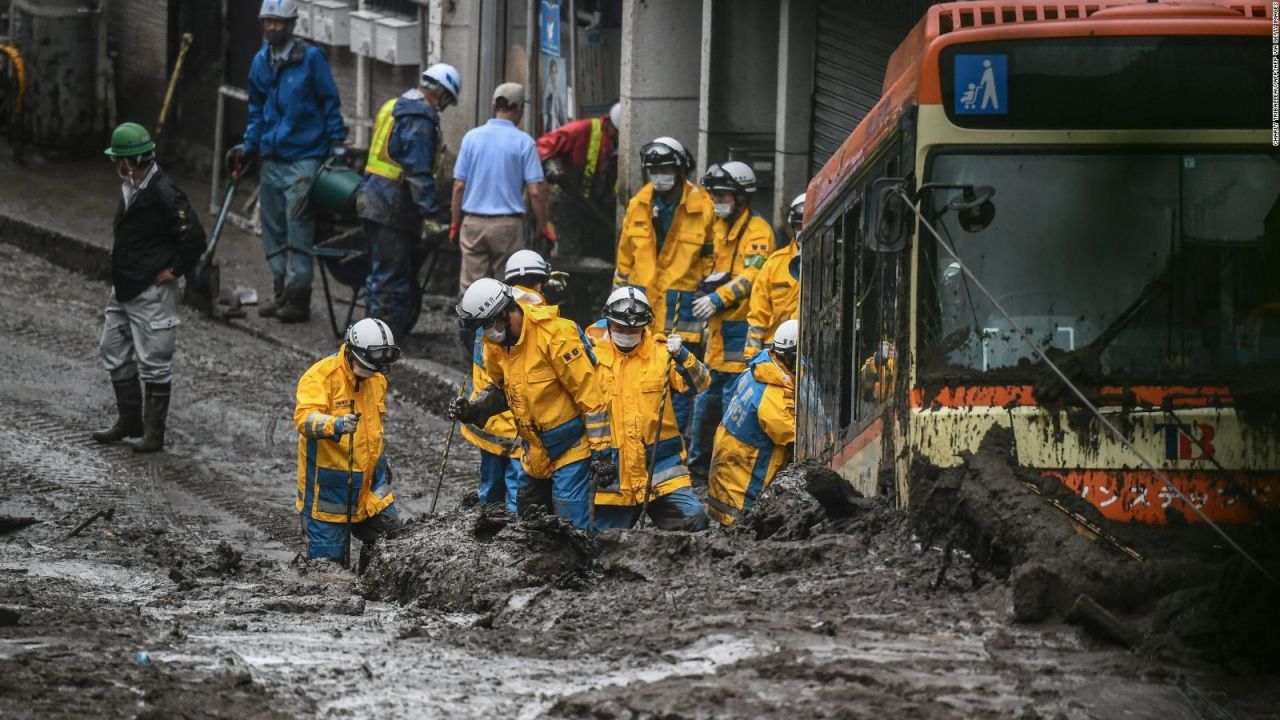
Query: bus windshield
[(1151, 266)]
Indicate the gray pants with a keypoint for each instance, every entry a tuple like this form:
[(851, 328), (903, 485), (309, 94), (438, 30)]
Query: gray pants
[(138, 336)]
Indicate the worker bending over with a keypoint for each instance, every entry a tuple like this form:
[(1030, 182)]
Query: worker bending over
[(639, 374), (757, 437), (344, 481)]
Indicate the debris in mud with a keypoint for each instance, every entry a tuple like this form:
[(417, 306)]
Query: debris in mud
[(474, 560), (106, 514), (226, 560), (9, 524)]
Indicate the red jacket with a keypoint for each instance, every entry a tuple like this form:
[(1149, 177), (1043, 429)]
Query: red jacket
[(569, 144)]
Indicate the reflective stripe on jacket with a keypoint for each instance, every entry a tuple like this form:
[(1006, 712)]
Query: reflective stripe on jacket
[(740, 251), (775, 297), (549, 380), (326, 392), (498, 436), (753, 442), (668, 277), (634, 384), (399, 187)]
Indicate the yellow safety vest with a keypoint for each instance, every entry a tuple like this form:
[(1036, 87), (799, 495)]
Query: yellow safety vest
[(593, 155), (380, 163), (20, 70)]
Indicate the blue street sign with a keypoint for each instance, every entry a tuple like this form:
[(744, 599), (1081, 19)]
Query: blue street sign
[(982, 85), (550, 27)]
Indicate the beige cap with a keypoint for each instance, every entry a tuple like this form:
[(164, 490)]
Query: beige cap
[(509, 96)]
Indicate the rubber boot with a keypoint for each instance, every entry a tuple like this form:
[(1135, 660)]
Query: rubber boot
[(129, 407), (270, 308), (153, 419), (297, 306)]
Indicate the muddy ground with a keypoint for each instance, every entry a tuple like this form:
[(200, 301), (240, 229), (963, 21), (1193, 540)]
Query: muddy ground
[(189, 600)]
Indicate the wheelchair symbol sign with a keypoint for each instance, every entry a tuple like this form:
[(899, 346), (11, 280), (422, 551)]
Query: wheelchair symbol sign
[(982, 85)]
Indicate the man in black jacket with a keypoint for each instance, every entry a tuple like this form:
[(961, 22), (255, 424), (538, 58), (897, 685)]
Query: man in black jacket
[(157, 240)]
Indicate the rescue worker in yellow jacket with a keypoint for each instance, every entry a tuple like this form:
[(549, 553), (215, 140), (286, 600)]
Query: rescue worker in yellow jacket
[(743, 241), (543, 371), (775, 296), (758, 435), (344, 481), (639, 376), (529, 275)]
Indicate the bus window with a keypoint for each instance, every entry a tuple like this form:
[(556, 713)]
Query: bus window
[(1148, 266)]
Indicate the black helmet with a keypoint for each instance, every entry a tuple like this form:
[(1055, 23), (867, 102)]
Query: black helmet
[(628, 307)]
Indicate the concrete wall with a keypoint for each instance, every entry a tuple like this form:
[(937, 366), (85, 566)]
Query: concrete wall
[(738, 98), (796, 29), (138, 33), (460, 47), (661, 60)]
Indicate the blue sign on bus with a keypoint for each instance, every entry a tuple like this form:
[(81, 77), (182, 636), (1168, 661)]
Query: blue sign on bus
[(982, 85)]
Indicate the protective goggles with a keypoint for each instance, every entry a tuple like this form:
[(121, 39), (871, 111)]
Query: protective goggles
[(654, 155), (377, 357), (718, 179)]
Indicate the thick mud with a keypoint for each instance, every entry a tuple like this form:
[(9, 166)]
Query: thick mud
[(188, 600)]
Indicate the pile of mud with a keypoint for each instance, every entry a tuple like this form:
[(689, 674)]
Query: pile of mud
[(1188, 593)]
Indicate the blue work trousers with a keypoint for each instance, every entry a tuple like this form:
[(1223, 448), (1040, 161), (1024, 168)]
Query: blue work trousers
[(395, 258), (708, 411), (566, 492), (326, 540), (288, 225), (500, 479), (677, 510)]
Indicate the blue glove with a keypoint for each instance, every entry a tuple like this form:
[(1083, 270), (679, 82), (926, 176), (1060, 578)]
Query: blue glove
[(346, 424)]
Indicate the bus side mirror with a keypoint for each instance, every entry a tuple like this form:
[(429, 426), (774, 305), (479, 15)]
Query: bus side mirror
[(888, 216)]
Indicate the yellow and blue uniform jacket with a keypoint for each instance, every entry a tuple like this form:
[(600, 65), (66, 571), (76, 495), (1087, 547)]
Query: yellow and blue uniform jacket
[(326, 392), (668, 272), (548, 376), (775, 297), (633, 382), (498, 436), (740, 250), (754, 441)]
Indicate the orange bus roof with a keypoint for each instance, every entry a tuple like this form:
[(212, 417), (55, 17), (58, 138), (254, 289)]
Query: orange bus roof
[(978, 20)]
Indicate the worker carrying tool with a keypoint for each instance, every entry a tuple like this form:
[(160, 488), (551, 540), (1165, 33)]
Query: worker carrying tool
[(157, 239), (528, 274), (639, 373), (344, 479), (580, 161), (757, 437), (775, 295), (542, 371), (743, 241), (397, 203), (295, 124)]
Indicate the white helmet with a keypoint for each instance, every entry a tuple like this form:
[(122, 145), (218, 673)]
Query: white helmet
[(787, 337), (446, 76), (372, 345), (742, 175), (483, 301), (665, 151), (278, 10), (795, 214), (615, 115), (627, 306), (526, 262)]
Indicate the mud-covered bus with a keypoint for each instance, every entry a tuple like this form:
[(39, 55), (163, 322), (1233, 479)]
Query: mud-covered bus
[(1107, 171)]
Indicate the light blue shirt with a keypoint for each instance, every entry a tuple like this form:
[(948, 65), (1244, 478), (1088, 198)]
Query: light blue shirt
[(496, 161)]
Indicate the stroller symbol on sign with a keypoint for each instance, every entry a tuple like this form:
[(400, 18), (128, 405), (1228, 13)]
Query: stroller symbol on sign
[(981, 84)]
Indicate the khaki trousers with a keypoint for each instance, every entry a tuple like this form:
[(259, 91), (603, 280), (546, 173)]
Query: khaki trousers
[(486, 243)]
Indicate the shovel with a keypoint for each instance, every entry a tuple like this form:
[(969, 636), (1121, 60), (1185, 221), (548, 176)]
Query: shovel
[(203, 284)]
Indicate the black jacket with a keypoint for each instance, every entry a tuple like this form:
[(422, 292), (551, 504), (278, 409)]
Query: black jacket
[(159, 230)]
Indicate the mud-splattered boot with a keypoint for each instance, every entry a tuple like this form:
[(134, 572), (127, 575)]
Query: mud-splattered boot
[(129, 407), (297, 306), (272, 306), (153, 419)]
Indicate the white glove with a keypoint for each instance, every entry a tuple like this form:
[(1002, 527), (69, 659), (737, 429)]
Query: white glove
[(346, 424), (674, 343), (703, 308)]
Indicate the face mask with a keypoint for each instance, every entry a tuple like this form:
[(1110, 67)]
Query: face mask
[(493, 334), (723, 210), (626, 341), (276, 38), (662, 183), (122, 171), (361, 371)]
